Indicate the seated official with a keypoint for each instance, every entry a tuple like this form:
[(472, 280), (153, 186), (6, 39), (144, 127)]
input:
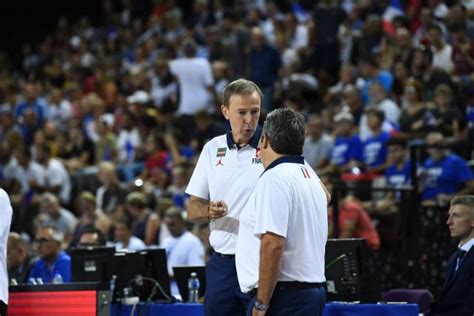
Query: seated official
[(53, 260), (19, 260), (91, 237), (124, 239), (182, 248), (457, 294)]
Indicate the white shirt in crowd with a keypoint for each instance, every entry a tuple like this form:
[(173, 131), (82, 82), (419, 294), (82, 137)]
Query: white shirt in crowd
[(442, 58), (134, 244), (127, 143), (225, 173), (6, 213), (194, 76), (56, 174), (288, 201), (34, 172), (185, 250), (65, 223)]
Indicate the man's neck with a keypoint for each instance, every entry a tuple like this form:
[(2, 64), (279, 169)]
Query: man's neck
[(272, 157), (51, 260), (465, 240)]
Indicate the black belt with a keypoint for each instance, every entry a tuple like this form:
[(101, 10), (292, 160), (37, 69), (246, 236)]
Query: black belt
[(295, 285), (223, 255)]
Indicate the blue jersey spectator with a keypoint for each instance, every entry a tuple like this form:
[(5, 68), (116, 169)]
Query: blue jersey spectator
[(33, 103), (346, 149), (447, 175), (347, 146), (398, 177), (444, 174), (54, 264), (375, 150), (374, 153)]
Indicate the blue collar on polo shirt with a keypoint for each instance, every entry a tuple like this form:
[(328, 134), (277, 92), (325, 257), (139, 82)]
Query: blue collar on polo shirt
[(285, 159), (254, 141)]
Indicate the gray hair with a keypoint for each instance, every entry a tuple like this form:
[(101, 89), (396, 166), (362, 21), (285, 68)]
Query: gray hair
[(240, 87), (285, 130), (467, 200)]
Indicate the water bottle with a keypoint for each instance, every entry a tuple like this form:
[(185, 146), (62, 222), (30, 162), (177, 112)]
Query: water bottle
[(193, 288), (58, 279)]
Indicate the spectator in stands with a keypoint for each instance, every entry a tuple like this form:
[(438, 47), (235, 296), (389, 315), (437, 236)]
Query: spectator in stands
[(196, 82), (57, 217), (124, 239), (380, 99), (371, 72), (19, 259), (59, 108), (264, 66), (444, 174), (318, 145), (354, 222), (179, 181), (397, 176), (111, 195), (54, 263), (352, 103), (206, 129), (417, 118), (32, 103), (458, 289), (182, 247), (91, 237), (374, 148), (164, 87), (129, 148), (106, 146), (79, 151), (450, 119), (347, 146), (90, 216), (57, 179), (463, 55), (442, 51), (145, 223)]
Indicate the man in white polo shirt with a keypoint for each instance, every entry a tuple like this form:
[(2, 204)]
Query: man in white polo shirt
[(6, 213), (283, 229), (222, 182)]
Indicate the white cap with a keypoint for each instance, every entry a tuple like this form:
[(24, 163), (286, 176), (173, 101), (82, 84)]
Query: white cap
[(140, 97), (344, 116)]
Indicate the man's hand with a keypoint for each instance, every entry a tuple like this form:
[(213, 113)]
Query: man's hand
[(257, 313), (217, 209)]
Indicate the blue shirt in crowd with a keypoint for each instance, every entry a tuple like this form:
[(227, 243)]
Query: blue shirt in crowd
[(397, 178), (375, 150), (346, 149), (61, 266), (447, 175), (266, 62)]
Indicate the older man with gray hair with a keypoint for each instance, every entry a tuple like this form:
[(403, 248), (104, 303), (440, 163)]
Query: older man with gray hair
[(283, 229)]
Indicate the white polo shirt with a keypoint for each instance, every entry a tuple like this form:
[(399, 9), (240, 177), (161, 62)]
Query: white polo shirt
[(227, 173), (5, 221), (288, 201)]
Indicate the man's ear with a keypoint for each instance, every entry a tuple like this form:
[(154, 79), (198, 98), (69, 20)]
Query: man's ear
[(264, 141), (225, 111)]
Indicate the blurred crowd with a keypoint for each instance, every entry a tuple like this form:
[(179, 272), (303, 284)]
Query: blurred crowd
[(102, 124)]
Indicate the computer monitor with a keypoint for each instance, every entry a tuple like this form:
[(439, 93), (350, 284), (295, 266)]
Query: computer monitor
[(140, 271), (345, 270), (181, 276), (90, 264)]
